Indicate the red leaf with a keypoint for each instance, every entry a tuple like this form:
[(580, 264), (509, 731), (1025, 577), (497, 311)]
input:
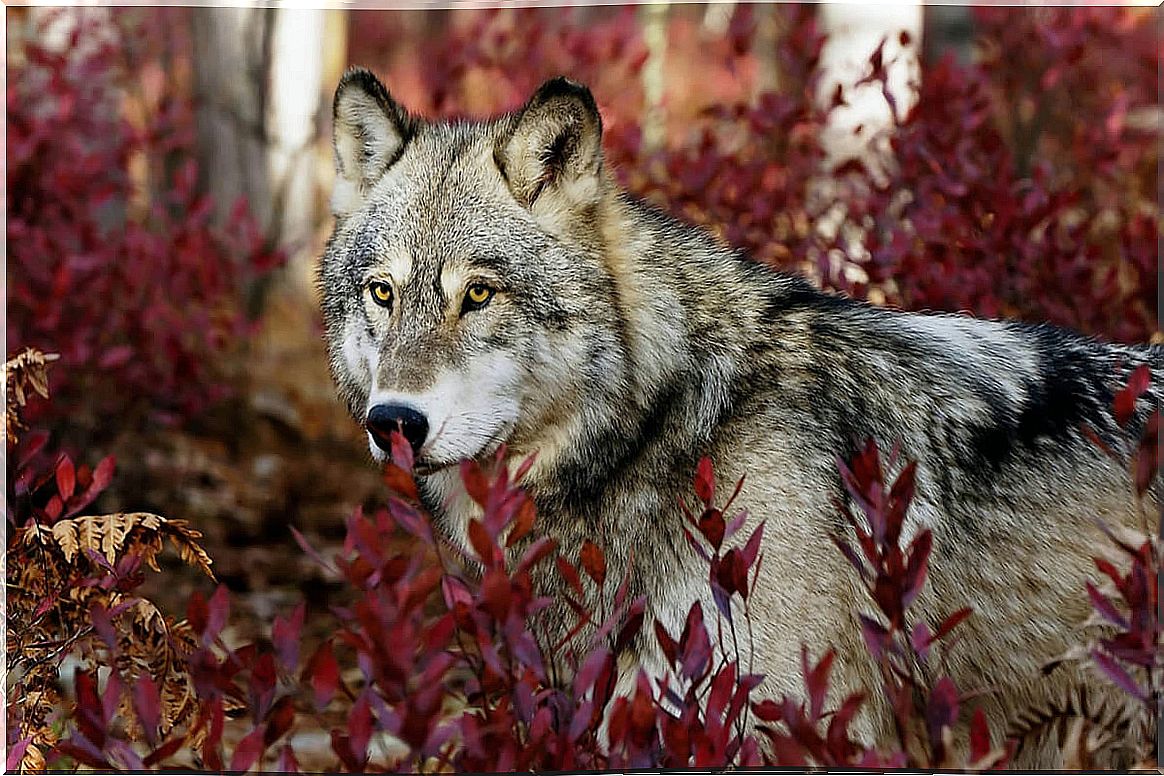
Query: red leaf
[(1148, 454), (401, 451), (285, 636), (1124, 404), (942, 708), (669, 646), (323, 671), (1104, 606), (589, 671), (695, 643), (487, 550), (535, 554), (497, 593), (16, 754), (218, 613), (210, 754), (705, 482), (84, 755), (400, 481), (360, 727), (341, 745), (634, 623), (875, 635), (197, 613), (262, 685), (522, 523), (115, 357), (249, 750), (279, 719), (312, 553), (920, 638), (720, 694), (456, 593), (475, 483), (951, 622), (66, 478), (736, 524), (838, 730), (817, 681), (147, 704), (287, 762), (979, 736), (593, 562), (915, 572), (711, 525), (166, 750), (569, 573), (1116, 673)]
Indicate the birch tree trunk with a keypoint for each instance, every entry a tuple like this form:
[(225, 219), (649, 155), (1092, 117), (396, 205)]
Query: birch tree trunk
[(259, 86), (854, 32)]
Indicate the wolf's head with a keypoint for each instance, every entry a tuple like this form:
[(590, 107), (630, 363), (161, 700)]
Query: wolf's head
[(464, 293)]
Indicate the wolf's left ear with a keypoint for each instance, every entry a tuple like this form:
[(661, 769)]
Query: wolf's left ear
[(369, 132), (555, 146)]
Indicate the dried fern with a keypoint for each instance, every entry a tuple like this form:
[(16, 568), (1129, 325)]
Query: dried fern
[(116, 535), (49, 614), (27, 371)]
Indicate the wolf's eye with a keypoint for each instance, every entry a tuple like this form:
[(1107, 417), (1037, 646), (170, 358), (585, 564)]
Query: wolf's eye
[(381, 292), (476, 297)]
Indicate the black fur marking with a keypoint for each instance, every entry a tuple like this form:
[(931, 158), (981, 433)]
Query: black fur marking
[(583, 485), (797, 294), (1069, 393)]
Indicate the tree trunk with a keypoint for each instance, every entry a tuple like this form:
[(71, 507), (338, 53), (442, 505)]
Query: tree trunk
[(259, 86), (854, 32), (654, 75)]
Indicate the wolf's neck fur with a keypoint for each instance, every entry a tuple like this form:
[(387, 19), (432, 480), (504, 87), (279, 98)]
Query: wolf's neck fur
[(682, 304)]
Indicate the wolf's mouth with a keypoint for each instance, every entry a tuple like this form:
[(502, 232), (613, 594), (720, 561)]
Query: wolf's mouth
[(427, 468), (424, 465)]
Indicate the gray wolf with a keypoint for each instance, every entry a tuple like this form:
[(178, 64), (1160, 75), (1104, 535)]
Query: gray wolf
[(488, 283)]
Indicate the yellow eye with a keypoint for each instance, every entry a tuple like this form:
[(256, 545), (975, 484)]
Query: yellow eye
[(478, 295), (381, 292)]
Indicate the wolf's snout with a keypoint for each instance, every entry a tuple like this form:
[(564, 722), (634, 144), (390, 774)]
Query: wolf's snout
[(383, 419)]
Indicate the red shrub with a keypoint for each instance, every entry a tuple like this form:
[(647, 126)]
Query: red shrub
[(140, 296)]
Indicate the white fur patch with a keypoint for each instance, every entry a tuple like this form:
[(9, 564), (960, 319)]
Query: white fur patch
[(360, 353), (469, 413), (345, 197), (400, 267)]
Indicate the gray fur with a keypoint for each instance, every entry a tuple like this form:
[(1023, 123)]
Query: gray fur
[(623, 345)]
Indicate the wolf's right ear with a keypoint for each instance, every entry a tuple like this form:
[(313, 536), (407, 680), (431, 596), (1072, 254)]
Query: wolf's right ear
[(369, 132)]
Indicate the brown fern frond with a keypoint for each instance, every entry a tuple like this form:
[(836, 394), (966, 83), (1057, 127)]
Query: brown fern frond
[(115, 535), (27, 371)]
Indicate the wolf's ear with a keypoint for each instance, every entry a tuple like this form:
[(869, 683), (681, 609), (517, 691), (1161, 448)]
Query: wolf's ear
[(555, 145), (369, 132)]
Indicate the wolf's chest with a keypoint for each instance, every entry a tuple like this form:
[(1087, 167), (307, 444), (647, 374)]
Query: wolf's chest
[(445, 497)]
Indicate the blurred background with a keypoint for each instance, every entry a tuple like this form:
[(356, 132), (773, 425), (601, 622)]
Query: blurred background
[(169, 168)]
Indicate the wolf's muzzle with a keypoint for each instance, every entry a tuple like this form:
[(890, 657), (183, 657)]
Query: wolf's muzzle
[(383, 419)]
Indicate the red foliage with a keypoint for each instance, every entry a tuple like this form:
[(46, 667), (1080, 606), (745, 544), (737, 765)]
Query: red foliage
[(46, 486), (140, 298), (456, 671)]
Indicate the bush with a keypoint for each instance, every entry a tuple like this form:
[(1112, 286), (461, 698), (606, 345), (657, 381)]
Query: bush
[(140, 295), (438, 661)]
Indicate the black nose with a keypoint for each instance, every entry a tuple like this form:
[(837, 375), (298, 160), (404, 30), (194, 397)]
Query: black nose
[(383, 419)]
